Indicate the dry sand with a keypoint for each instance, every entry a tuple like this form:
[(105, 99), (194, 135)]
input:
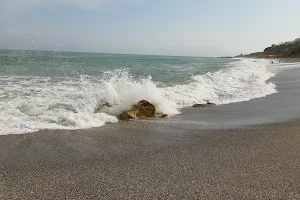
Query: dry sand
[(256, 162)]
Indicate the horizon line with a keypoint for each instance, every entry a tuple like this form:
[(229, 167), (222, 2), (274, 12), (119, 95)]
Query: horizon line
[(139, 54)]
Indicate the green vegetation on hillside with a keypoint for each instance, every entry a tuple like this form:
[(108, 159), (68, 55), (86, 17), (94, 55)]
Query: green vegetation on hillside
[(282, 50)]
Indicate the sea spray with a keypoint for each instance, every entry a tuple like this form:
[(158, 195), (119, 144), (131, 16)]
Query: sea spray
[(242, 81), (32, 103)]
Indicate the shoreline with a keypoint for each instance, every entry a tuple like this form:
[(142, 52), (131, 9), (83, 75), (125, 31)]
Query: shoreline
[(284, 59), (244, 150), (252, 94)]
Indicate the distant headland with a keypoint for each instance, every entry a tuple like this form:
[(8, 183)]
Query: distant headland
[(283, 50)]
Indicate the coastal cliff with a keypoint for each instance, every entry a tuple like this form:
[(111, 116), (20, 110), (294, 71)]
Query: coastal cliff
[(283, 50)]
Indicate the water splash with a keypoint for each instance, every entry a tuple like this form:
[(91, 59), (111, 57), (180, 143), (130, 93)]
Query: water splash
[(29, 104)]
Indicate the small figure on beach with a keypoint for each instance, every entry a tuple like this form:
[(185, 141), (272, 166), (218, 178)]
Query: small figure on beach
[(271, 62)]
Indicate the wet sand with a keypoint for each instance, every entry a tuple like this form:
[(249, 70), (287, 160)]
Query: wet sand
[(256, 162)]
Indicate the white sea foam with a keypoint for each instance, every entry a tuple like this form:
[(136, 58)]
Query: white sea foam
[(29, 104)]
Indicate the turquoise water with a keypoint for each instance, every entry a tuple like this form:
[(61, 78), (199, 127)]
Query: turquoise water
[(61, 90), (164, 69)]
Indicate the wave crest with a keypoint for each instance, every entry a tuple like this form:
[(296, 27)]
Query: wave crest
[(29, 104)]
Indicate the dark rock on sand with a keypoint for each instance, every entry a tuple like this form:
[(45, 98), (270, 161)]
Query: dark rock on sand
[(164, 116), (208, 104), (142, 109), (128, 114), (145, 109)]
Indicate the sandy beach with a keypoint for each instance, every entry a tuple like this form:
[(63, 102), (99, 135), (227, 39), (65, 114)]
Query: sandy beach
[(256, 162)]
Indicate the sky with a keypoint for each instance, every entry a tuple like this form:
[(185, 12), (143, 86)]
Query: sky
[(155, 27)]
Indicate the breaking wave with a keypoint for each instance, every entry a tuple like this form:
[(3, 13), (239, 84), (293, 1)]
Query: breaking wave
[(29, 104)]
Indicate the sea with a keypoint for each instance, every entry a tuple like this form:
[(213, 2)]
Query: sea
[(65, 90)]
